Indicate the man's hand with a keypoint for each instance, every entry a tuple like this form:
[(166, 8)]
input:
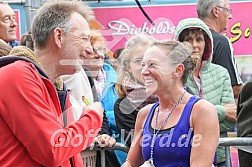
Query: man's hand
[(105, 140), (231, 112), (96, 106)]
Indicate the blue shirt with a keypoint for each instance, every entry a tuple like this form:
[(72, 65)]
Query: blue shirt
[(13, 43)]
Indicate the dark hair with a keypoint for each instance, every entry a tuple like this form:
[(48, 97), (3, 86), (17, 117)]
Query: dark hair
[(197, 31), (26, 40), (117, 53)]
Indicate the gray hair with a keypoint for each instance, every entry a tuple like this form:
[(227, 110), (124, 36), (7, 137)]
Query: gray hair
[(178, 52), (204, 7), (56, 13)]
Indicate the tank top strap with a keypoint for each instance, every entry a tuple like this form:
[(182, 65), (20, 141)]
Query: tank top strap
[(152, 110), (189, 105)]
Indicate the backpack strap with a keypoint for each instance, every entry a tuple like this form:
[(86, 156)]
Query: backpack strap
[(92, 84), (62, 94)]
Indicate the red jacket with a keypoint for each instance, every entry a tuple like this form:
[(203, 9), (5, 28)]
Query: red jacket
[(32, 130)]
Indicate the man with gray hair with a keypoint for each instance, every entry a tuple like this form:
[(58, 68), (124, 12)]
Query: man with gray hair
[(8, 25), (35, 129), (216, 13)]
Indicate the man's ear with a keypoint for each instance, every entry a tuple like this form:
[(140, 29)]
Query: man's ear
[(58, 36), (215, 12)]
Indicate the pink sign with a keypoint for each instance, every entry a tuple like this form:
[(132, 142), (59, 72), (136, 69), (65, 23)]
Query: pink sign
[(118, 24), (17, 19)]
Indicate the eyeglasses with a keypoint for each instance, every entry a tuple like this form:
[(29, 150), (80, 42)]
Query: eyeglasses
[(137, 62), (100, 51), (229, 10)]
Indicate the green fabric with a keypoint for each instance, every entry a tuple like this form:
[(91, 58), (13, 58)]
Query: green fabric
[(215, 83)]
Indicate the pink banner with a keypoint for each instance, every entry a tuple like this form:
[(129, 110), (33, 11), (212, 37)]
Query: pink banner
[(17, 19), (118, 24)]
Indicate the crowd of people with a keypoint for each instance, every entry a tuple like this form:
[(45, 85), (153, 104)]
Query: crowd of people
[(169, 101)]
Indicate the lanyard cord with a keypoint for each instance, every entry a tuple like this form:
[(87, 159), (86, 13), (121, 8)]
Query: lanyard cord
[(165, 120)]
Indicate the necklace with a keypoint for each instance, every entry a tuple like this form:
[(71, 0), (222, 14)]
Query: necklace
[(155, 124)]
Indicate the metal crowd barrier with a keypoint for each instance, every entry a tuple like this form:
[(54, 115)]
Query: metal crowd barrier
[(117, 146), (227, 142), (236, 141)]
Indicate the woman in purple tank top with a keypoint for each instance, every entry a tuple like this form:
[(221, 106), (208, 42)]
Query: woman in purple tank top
[(180, 129)]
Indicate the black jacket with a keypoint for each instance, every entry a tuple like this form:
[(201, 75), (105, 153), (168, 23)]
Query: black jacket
[(244, 121)]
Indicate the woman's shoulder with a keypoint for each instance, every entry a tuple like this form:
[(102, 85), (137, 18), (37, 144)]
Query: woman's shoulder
[(143, 112), (202, 103), (142, 115), (204, 116), (203, 107)]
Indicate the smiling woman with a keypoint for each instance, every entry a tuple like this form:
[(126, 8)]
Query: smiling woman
[(173, 125), (130, 86)]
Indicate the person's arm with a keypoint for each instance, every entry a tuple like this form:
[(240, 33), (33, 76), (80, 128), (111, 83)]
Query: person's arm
[(135, 158), (104, 128), (125, 117), (236, 90), (34, 117), (204, 121), (227, 109), (103, 139)]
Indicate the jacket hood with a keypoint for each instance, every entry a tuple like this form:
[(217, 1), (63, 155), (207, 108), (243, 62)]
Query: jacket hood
[(197, 23)]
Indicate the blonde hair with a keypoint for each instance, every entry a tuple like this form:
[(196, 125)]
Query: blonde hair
[(131, 44)]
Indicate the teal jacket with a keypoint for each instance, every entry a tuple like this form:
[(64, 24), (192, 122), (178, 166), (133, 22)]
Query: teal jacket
[(215, 81), (109, 96)]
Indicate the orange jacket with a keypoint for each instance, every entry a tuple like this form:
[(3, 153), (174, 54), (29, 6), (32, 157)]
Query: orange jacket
[(32, 129)]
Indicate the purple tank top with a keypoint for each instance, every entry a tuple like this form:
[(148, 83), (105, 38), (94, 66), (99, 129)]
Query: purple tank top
[(172, 146)]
